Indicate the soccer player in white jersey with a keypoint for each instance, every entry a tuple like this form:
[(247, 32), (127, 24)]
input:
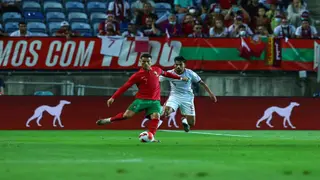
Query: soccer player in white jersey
[(181, 94)]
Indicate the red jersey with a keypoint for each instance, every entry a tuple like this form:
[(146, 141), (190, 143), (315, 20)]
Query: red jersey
[(147, 82)]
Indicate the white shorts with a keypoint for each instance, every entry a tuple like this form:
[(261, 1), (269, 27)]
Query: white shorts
[(186, 105)]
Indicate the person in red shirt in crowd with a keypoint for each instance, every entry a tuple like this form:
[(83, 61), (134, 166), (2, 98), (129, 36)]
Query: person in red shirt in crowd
[(147, 12), (172, 26), (188, 23), (261, 20), (110, 23), (65, 31), (197, 31), (120, 9), (235, 11), (227, 4), (148, 96)]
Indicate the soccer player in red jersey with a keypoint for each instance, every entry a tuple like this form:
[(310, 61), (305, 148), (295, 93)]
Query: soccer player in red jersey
[(148, 96)]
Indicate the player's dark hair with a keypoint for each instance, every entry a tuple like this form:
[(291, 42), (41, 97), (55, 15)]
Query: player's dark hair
[(22, 23), (146, 56), (180, 58)]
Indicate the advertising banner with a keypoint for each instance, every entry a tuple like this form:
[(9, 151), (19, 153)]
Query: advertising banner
[(230, 113), (40, 53)]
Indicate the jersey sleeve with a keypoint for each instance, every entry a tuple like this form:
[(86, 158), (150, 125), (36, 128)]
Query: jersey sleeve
[(162, 78), (132, 80), (195, 77)]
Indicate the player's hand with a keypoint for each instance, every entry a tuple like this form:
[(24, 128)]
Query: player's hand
[(110, 101), (185, 79), (213, 98)]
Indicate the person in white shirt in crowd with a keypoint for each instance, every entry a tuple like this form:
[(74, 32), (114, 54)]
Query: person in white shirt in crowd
[(22, 32), (234, 28), (197, 31), (284, 29), (306, 31), (138, 5), (295, 9), (218, 30), (242, 31), (132, 31), (262, 31)]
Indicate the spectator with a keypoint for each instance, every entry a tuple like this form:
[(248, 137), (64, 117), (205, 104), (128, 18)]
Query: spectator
[(261, 19), (276, 21), (197, 32), (108, 27), (150, 29), (132, 31), (306, 30), (234, 28), (218, 30), (110, 32), (22, 32), (295, 10), (284, 30), (262, 31), (147, 12), (65, 31), (188, 23), (120, 9), (252, 7), (2, 86), (272, 11), (110, 20), (227, 4), (241, 31), (173, 27), (11, 6), (181, 6), (236, 11), (138, 6)]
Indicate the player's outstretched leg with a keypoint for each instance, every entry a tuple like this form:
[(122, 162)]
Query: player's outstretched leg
[(118, 117), (188, 122)]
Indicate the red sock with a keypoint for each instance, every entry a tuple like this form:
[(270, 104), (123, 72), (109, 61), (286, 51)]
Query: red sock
[(153, 126), (118, 117)]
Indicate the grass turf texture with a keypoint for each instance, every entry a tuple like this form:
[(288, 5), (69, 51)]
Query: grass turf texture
[(77, 155)]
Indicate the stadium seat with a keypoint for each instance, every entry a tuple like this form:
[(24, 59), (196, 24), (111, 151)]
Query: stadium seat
[(31, 7), (74, 7), (1, 26), (43, 93), (97, 17), (95, 28), (11, 26), (54, 27), (96, 7), (81, 27), (55, 17), (38, 1), (36, 27), (33, 17), (40, 34), (162, 7), (77, 17), (11, 17), (123, 26), (52, 7), (58, 1)]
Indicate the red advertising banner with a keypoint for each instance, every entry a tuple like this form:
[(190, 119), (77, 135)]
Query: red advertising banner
[(230, 113), (51, 53)]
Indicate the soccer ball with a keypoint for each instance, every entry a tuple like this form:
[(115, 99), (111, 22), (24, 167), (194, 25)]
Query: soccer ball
[(146, 137)]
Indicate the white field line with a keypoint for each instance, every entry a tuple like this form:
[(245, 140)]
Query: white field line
[(81, 161), (208, 133)]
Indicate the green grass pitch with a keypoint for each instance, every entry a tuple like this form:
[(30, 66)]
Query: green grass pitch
[(111, 155)]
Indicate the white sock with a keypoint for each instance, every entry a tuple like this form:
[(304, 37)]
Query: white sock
[(159, 123), (184, 121)]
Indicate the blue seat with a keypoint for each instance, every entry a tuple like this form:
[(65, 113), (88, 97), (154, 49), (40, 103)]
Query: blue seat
[(33, 17), (78, 17), (58, 1), (95, 28), (43, 93), (36, 27), (52, 7), (98, 17), (123, 27), (81, 27), (11, 26), (1, 28), (40, 34), (55, 17), (38, 1), (74, 7), (162, 7), (96, 7), (11, 17), (31, 7), (54, 27)]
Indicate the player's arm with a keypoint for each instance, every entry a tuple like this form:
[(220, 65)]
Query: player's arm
[(122, 89), (206, 87), (173, 76)]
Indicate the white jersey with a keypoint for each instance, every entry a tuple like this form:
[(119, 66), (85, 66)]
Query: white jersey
[(180, 88)]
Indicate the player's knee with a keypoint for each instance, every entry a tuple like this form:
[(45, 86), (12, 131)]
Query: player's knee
[(127, 115), (155, 116)]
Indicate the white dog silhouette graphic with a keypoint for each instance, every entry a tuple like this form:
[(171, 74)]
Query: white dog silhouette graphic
[(283, 112), (53, 111), (171, 118)]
